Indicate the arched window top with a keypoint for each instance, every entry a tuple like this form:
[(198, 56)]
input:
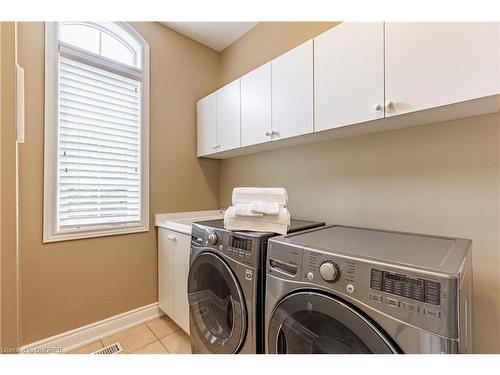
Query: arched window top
[(112, 40)]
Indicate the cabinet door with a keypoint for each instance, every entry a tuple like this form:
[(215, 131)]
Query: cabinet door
[(292, 92), (165, 271), (228, 116), (206, 110), (349, 74), (256, 106), (181, 270), (433, 64)]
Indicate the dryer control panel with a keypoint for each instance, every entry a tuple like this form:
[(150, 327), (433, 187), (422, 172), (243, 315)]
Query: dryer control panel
[(418, 289), (421, 299)]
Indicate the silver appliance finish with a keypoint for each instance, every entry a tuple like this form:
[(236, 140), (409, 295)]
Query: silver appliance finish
[(246, 272), (414, 326)]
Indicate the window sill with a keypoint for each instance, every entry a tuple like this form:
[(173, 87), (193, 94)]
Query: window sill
[(92, 233)]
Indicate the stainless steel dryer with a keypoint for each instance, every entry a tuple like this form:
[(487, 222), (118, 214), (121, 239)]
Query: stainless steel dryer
[(226, 287), (342, 289)]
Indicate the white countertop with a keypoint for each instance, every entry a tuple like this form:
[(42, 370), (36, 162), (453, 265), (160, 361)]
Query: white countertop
[(181, 221)]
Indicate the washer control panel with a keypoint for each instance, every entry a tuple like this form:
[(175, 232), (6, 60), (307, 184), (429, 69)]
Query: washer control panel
[(245, 250)]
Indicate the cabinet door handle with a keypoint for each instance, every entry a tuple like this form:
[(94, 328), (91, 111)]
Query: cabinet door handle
[(378, 107), (275, 132), (171, 237), (269, 134), (215, 147), (390, 104)]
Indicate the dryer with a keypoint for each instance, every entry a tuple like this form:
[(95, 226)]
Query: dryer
[(340, 289), (226, 287)]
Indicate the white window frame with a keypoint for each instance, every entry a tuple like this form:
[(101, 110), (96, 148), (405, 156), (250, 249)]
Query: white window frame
[(51, 232)]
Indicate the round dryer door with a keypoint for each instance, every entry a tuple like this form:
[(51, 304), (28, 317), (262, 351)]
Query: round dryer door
[(310, 322), (216, 305)]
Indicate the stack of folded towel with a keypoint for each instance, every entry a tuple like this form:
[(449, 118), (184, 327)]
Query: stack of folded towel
[(259, 210)]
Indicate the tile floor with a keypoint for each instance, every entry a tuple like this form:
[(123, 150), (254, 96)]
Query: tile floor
[(158, 336)]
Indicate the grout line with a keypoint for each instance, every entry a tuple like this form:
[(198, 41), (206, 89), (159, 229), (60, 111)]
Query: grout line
[(141, 347), (153, 332), (168, 351)]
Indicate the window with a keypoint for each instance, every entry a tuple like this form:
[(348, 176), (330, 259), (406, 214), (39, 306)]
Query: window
[(96, 130)]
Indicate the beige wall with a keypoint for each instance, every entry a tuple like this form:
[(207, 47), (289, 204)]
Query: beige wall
[(69, 284), (264, 42), (8, 270), (439, 179)]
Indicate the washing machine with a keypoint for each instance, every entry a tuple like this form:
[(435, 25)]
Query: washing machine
[(340, 289), (226, 287)]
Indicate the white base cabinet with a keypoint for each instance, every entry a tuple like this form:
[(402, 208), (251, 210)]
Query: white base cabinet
[(173, 267)]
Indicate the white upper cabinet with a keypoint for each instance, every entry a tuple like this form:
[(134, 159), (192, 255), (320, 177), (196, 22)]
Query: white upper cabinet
[(256, 106), (228, 116), (351, 80), (349, 74), (292, 92), (434, 64), (206, 118)]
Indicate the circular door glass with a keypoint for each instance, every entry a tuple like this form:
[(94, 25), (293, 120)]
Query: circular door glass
[(312, 323), (216, 304)]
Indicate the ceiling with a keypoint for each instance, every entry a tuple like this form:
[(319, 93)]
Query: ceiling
[(216, 35)]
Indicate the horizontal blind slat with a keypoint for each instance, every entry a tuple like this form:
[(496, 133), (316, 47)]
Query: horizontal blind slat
[(75, 66), (83, 96), (99, 174), (92, 131), (98, 92), (95, 124), (79, 109), (76, 137), (103, 107), (70, 113), (87, 73)]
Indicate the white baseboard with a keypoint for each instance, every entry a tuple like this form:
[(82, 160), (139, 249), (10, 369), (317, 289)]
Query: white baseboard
[(81, 336)]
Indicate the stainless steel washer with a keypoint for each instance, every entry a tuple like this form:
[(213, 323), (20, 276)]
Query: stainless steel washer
[(226, 287), (341, 289)]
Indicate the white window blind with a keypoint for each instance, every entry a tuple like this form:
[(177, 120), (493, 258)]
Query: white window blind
[(99, 147)]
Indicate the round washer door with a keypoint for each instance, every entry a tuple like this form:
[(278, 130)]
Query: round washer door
[(216, 304), (313, 323)]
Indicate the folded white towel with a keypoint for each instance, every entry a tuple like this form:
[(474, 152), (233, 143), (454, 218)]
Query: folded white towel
[(265, 223), (283, 215), (250, 194), (244, 224), (245, 209), (266, 208)]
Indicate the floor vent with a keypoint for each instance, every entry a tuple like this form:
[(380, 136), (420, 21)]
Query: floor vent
[(111, 349)]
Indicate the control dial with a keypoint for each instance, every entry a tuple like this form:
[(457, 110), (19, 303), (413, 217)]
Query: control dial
[(329, 271), (212, 238)]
